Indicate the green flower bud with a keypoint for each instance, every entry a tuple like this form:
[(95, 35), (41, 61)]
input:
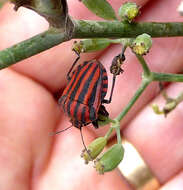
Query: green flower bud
[(110, 159), (142, 44), (156, 109), (91, 45), (94, 149), (169, 107), (128, 11)]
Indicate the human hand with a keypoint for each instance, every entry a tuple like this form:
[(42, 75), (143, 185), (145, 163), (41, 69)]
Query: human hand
[(32, 159)]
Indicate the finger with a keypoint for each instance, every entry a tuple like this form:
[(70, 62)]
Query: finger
[(174, 183), (164, 56), (67, 171), (159, 139), (43, 67), (28, 114)]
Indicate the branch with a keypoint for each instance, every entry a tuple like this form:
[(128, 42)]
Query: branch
[(137, 94), (85, 29), (168, 77), (31, 47), (116, 29)]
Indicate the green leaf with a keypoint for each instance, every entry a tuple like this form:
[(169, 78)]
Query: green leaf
[(101, 8)]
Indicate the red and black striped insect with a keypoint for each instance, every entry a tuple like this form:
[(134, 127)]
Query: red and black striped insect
[(83, 97)]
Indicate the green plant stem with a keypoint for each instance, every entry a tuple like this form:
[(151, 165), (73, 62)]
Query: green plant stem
[(125, 41), (118, 133), (85, 29), (146, 80), (167, 77), (148, 77), (116, 29), (137, 94), (145, 67), (31, 47), (109, 132)]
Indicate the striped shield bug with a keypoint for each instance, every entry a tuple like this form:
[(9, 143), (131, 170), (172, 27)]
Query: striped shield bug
[(83, 98)]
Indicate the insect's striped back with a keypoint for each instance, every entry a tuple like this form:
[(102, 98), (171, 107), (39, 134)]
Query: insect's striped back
[(84, 82), (76, 75), (81, 113), (85, 91)]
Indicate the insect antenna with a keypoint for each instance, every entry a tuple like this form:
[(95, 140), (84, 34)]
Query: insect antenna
[(57, 132)]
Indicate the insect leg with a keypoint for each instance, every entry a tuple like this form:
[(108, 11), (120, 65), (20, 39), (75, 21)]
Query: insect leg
[(78, 57), (112, 89), (84, 143), (116, 70)]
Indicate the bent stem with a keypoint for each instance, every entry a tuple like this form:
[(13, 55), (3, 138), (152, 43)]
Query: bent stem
[(137, 94), (86, 29), (31, 47), (146, 80), (168, 77), (117, 128), (109, 132), (147, 72)]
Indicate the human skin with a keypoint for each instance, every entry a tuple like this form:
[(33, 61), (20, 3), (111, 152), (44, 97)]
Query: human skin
[(32, 159)]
